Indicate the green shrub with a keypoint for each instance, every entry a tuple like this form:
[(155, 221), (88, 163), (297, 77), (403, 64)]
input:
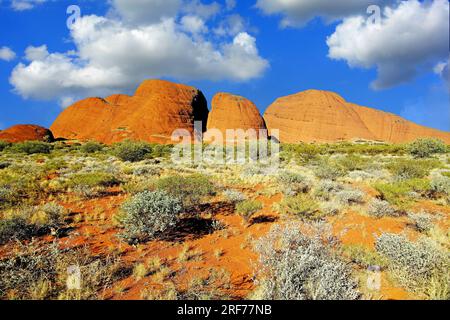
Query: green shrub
[(353, 162), (424, 148), (301, 205), (363, 256), (248, 208), (329, 170), (32, 147), (294, 183), (92, 179), (18, 187), (4, 145), (149, 214), (90, 185), (132, 151), (398, 193), (28, 222), (294, 266), (422, 266), (161, 151), (190, 189), (303, 152), (408, 169), (91, 147), (54, 165)]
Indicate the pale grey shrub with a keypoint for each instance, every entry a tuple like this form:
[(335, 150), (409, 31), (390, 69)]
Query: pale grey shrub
[(327, 189), (422, 266), (440, 184), (149, 213), (234, 196), (380, 208), (295, 266), (85, 192), (422, 221), (146, 171), (330, 208), (294, 183), (350, 196)]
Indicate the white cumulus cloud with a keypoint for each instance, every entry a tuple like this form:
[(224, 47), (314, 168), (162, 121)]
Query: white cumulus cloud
[(114, 56), (299, 12), (22, 5), (7, 54), (145, 11), (410, 39)]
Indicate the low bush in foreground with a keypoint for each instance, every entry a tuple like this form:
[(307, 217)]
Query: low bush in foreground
[(295, 266), (363, 256), (148, 214), (329, 170), (17, 188), (36, 272), (422, 266), (294, 183), (422, 221), (248, 208), (301, 206), (404, 169), (399, 193), (380, 208), (440, 184), (29, 222), (190, 189), (234, 196)]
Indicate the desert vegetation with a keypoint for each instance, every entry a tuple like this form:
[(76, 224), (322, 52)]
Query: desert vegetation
[(138, 226)]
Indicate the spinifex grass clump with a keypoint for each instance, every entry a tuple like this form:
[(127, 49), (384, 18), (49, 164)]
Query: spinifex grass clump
[(18, 187), (190, 189), (302, 206), (149, 214), (40, 272), (248, 208), (301, 266), (26, 223)]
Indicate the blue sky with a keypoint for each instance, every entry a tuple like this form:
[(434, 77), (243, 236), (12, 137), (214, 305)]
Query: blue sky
[(267, 51)]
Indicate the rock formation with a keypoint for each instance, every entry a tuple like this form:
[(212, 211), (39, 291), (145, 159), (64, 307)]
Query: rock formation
[(26, 132), (321, 116), (234, 112), (152, 114)]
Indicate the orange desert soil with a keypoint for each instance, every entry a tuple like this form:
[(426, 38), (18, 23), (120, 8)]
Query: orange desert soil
[(93, 227)]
